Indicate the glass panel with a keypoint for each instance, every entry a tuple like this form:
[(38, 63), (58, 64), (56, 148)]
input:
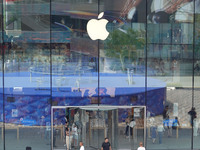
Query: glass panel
[(122, 66), (60, 117), (73, 125), (27, 75), (74, 63), (110, 72), (195, 115), (1, 80), (169, 74), (1, 93), (196, 76), (122, 54)]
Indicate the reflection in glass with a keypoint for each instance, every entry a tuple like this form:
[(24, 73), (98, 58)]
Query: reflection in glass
[(169, 55), (26, 74), (92, 124), (150, 58), (196, 76)]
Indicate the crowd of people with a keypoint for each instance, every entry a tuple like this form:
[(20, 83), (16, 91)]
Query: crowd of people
[(71, 132), (164, 127), (168, 125), (157, 65), (75, 126)]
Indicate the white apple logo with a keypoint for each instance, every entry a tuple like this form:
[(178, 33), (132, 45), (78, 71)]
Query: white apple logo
[(97, 28)]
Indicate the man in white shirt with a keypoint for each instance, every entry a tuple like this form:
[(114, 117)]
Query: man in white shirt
[(131, 125), (81, 146), (75, 134), (141, 147)]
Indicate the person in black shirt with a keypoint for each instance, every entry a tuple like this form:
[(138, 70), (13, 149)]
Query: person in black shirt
[(193, 115), (166, 113), (106, 145)]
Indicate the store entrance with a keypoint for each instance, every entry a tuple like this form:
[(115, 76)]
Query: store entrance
[(123, 126)]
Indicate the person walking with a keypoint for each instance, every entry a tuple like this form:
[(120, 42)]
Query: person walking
[(141, 147), (106, 145), (68, 139), (81, 146), (166, 113), (153, 133), (75, 134), (193, 120), (175, 125), (160, 130), (193, 115), (127, 127), (132, 125)]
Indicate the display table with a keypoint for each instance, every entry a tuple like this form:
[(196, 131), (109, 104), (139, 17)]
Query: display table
[(17, 128)]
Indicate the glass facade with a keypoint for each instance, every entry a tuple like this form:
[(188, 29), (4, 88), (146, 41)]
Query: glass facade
[(58, 87)]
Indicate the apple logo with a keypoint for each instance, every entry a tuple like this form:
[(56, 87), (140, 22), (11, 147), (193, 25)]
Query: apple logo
[(97, 28)]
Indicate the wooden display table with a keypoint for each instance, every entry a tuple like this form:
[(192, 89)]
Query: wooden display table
[(11, 127)]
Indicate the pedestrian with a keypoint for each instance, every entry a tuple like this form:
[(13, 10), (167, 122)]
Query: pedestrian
[(175, 124), (81, 146), (106, 145), (150, 124), (166, 121), (193, 115), (68, 139), (166, 113), (153, 133), (169, 127), (65, 127), (197, 69), (193, 120), (141, 147), (75, 134), (127, 127), (132, 125), (160, 130)]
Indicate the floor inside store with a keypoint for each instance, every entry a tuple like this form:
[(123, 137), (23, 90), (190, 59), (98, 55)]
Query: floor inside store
[(37, 141)]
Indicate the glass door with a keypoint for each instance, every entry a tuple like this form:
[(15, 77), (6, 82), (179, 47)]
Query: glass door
[(123, 127)]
